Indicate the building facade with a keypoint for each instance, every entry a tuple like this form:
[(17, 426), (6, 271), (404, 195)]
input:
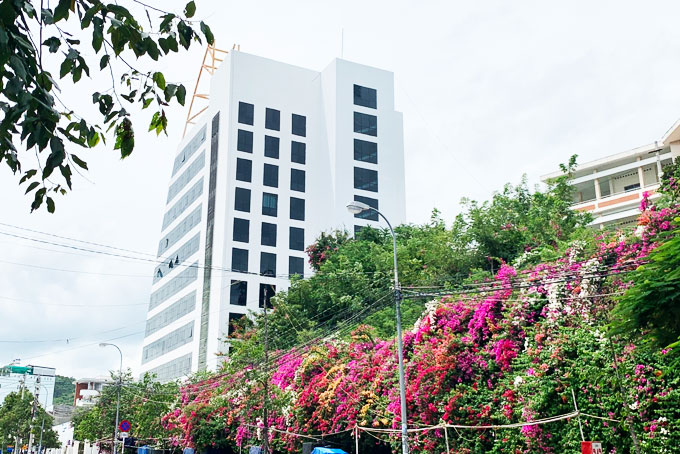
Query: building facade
[(271, 164), (88, 390), (612, 187), (37, 380)]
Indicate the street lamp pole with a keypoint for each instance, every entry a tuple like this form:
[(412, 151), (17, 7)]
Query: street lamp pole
[(120, 383), (356, 208)]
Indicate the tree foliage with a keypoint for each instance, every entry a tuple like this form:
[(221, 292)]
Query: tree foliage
[(64, 390), (71, 38), (142, 403), (15, 421)]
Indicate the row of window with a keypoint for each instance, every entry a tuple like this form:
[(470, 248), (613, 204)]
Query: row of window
[(175, 285), (244, 172), (171, 341), (272, 120), (183, 203), (239, 293), (177, 257), (174, 312), (270, 204), (186, 176), (181, 229), (365, 151), (190, 148), (239, 263), (241, 233), (175, 368), (272, 145)]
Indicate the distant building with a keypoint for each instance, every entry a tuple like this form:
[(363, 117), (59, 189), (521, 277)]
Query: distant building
[(612, 187), (34, 379), (88, 390), (276, 156)]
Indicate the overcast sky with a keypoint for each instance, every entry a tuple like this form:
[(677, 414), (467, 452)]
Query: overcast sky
[(490, 91)]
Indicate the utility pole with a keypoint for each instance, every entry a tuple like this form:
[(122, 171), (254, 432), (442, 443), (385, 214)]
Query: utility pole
[(35, 407), (22, 382), (265, 403)]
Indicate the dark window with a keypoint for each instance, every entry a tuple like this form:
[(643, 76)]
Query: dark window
[(270, 204), (245, 141), (297, 239), (271, 147), (244, 169), (296, 265), (298, 152), (299, 125), (268, 234), (365, 124), (631, 187), (297, 180), (245, 113), (267, 264), (297, 209), (272, 119), (365, 151), (270, 291), (234, 322), (241, 230), (239, 260), (242, 200), (368, 214), (239, 293), (365, 179), (366, 97), (357, 229), (271, 176)]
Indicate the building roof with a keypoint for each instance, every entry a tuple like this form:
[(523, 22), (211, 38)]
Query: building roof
[(672, 135)]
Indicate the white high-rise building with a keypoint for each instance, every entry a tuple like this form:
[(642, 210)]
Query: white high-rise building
[(271, 164)]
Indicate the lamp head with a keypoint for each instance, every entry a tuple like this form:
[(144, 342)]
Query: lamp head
[(103, 344), (357, 207)]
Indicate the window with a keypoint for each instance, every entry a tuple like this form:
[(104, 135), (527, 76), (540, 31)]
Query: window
[(357, 229), (368, 214), (267, 264), (365, 179), (297, 209), (238, 293), (297, 152), (268, 237), (234, 323), (297, 180), (270, 203), (297, 239), (365, 151), (245, 113), (245, 141), (272, 119), (241, 230), (266, 292), (239, 260), (299, 125), (242, 200), (631, 187), (271, 176), (296, 266), (244, 169), (366, 97), (365, 124), (271, 147)]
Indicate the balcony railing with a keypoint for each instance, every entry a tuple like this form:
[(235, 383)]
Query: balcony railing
[(617, 199)]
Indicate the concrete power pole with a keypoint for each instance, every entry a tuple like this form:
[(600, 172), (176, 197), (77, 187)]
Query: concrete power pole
[(35, 407)]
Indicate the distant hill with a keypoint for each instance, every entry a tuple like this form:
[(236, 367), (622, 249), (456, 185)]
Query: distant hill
[(64, 390)]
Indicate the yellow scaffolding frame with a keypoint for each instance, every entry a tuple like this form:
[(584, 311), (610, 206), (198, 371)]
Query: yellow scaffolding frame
[(209, 64)]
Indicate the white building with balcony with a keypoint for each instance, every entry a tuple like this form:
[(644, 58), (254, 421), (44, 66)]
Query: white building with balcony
[(612, 187), (271, 163), (88, 390)]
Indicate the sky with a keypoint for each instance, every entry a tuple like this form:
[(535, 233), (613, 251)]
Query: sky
[(490, 91)]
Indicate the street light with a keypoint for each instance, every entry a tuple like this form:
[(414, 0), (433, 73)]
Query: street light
[(356, 208), (120, 378)]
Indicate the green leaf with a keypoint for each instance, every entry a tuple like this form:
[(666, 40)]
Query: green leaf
[(17, 66), (181, 94), (207, 33), (169, 91), (52, 44), (37, 201), (159, 79), (66, 67), (104, 61), (32, 186), (125, 138), (30, 174), (55, 158), (166, 23), (66, 173), (190, 9), (168, 44), (50, 205), (62, 9), (79, 162)]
